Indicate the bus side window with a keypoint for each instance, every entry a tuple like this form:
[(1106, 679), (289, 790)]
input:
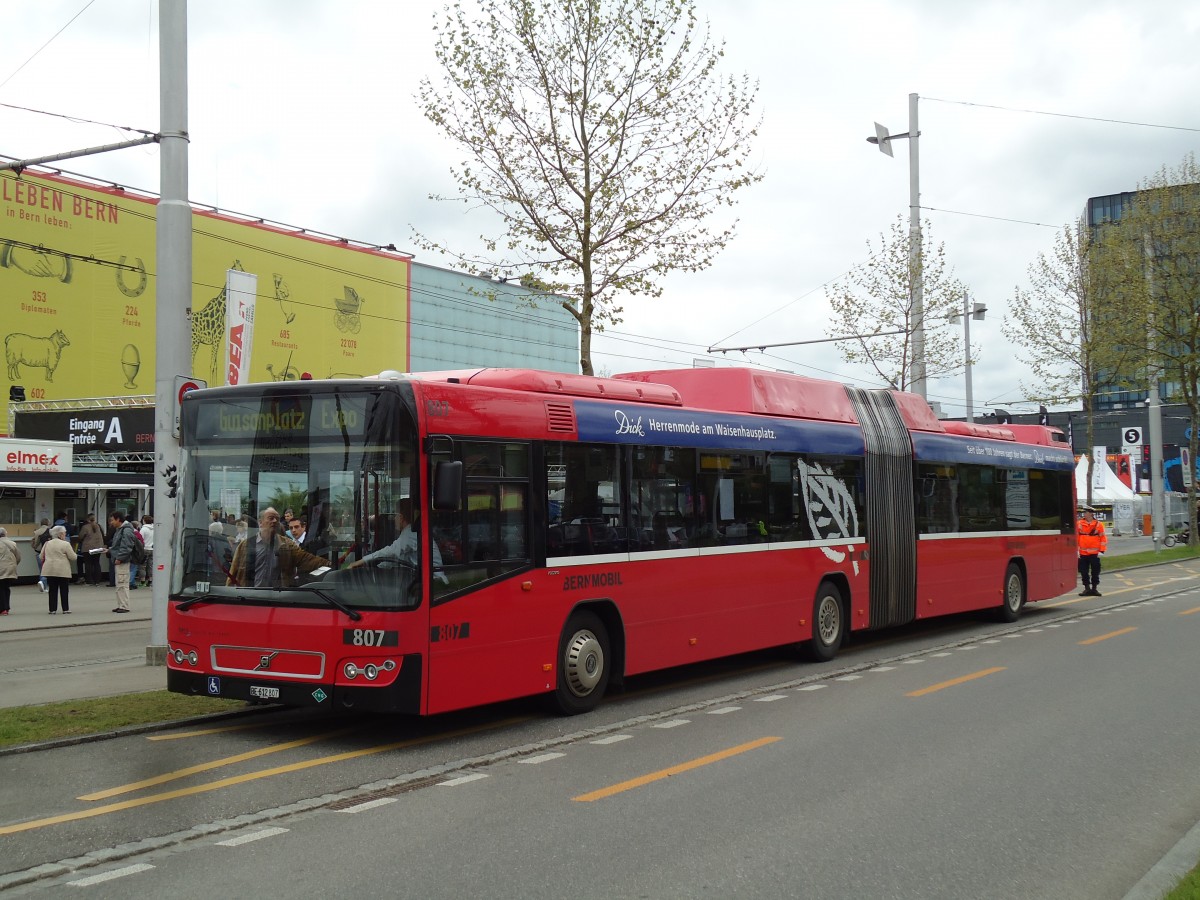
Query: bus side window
[(489, 536)]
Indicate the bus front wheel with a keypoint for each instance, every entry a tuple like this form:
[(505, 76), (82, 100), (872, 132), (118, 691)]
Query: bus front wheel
[(583, 664), (1014, 595), (828, 623)]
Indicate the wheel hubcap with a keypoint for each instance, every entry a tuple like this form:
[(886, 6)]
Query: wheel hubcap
[(1014, 593), (584, 663), (829, 620)]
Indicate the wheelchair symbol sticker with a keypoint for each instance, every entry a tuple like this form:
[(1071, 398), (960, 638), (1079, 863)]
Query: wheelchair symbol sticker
[(214, 685)]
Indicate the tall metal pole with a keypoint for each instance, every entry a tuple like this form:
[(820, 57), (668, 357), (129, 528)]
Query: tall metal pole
[(967, 355), (915, 257), (1157, 511), (173, 292)]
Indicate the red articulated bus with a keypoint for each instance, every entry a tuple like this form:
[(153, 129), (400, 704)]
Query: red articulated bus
[(482, 535)]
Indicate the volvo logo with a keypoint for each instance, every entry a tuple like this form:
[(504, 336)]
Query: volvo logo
[(264, 662)]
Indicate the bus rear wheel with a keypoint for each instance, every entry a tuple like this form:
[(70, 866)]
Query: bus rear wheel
[(1014, 595), (583, 664), (828, 623)]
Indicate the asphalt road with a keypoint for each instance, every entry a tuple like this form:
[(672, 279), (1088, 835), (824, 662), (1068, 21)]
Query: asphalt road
[(1054, 758)]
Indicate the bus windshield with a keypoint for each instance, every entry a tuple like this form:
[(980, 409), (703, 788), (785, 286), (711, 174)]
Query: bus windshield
[(300, 497)]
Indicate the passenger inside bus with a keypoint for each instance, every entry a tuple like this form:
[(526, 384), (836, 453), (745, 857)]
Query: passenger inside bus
[(270, 559)]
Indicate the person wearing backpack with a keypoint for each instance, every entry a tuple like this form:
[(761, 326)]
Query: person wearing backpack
[(120, 552), (137, 556), (41, 534)]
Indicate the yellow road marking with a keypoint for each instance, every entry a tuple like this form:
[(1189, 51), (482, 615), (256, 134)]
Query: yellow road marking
[(209, 766), (953, 682), (1105, 637), (252, 776), (673, 770), (1188, 612), (180, 735)]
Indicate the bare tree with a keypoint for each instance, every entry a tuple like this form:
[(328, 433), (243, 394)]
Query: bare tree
[(601, 133), (877, 297)]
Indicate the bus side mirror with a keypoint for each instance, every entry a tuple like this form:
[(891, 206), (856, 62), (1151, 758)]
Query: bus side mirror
[(447, 484)]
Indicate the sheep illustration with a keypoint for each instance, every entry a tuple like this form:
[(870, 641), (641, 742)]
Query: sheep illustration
[(37, 352)]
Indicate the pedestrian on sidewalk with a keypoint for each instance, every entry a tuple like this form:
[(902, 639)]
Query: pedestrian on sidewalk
[(148, 540), (119, 552), (9, 557), (91, 545), (1092, 541), (41, 534), (58, 561)]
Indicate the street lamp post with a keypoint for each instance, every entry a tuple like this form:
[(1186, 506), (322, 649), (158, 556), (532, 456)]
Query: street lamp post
[(970, 311), (916, 274)]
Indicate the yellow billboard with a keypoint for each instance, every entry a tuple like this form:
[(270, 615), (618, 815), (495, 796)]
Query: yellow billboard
[(77, 288)]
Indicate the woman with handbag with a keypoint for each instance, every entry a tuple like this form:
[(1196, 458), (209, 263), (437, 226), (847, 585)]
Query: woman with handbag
[(58, 559)]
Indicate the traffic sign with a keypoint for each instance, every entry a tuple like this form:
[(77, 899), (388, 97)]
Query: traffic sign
[(184, 384), (1132, 436)]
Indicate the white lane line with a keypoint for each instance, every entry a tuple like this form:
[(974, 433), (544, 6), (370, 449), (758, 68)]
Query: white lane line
[(370, 804), (723, 710), (464, 779), (882, 669), (541, 758), (848, 678), (674, 723), (812, 687), (939, 655), (252, 836), (969, 647), (613, 739), (109, 876), (911, 662), (992, 641), (770, 698)]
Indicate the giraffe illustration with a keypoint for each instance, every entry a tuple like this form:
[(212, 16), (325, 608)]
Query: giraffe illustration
[(208, 329)]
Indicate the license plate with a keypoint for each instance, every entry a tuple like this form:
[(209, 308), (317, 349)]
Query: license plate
[(264, 693)]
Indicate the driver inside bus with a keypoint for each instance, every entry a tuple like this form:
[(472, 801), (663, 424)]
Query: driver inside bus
[(404, 549), (270, 559)]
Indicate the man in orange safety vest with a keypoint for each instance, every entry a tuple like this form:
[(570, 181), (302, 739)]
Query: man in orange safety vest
[(1092, 542)]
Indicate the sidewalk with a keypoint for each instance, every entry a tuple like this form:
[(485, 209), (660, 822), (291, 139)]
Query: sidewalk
[(47, 659), (90, 605)]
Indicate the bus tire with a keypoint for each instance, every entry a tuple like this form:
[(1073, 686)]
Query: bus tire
[(1013, 595), (828, 623), (583, 664)]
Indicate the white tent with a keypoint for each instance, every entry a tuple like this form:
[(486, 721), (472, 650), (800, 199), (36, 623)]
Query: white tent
[(1107, 490)]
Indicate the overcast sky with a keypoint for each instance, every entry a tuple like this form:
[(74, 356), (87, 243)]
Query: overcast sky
[(303, 112)]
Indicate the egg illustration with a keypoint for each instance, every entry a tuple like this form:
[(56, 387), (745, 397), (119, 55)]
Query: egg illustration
[(131, 362)]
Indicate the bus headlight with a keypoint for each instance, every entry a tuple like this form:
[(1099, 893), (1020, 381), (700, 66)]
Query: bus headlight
[(350, 670), (371, 671)]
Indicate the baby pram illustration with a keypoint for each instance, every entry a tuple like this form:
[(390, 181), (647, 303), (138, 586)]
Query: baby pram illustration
[(347, 318)]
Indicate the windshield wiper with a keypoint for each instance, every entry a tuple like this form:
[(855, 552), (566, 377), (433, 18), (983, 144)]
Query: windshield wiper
[(332, 601), (192, 601)]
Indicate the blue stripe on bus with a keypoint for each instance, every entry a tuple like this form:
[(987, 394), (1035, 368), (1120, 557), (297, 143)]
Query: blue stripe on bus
[(635, 424), (983, 452)]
